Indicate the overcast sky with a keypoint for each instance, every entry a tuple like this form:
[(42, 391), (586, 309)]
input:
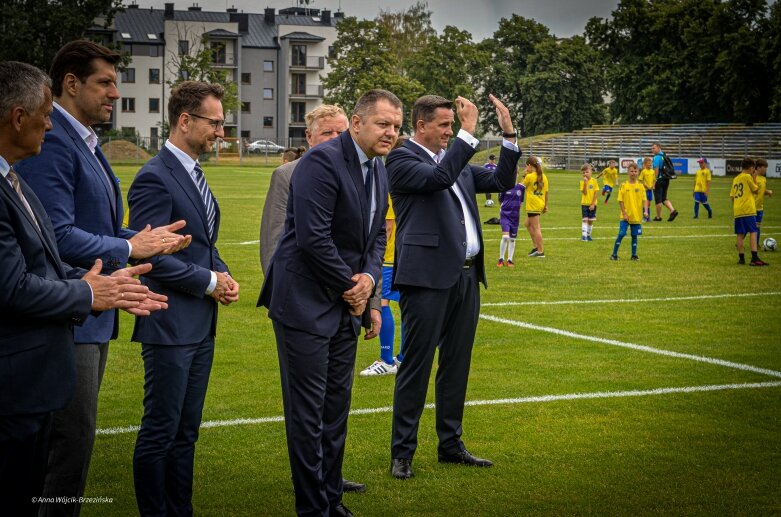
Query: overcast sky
[(481, 18)]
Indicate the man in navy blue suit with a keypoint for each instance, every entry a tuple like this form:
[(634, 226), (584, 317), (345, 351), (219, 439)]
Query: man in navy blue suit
[(41, 298), (321, 276), (80, 193), (178, 348), (439, 263)]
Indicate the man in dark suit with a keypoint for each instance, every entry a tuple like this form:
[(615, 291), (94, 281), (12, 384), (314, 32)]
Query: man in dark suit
[(41, 298), (438, 265), (178, 349), (320, 279), (77, 187)]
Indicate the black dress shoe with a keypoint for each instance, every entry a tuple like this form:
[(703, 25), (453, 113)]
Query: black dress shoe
[(352, 486), (341, 510), (465, 458), (401, 468)]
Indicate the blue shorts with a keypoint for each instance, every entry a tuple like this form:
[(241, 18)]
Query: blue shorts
[(700, 197), (607, 188), (649, 195), (760, 215), (587, 213), (744, 225), (387, 280), (510, 224), (636, 229)]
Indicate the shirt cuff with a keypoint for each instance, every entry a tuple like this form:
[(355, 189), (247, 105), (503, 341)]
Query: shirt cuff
[(468, 138), (212, 283), (374, 282), (129, 249), (509, 145)]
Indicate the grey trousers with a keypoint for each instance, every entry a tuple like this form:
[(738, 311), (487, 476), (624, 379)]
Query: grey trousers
[(73, 434)]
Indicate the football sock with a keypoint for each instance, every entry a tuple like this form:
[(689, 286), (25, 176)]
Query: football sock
[(707, 207), (634, 245), (618, 243), (607, 197), (696, 209), (759, 231), (584, 229), (741, 256), (511, 249), (387, 334), (754, 256), (503, 246), (588, 230)]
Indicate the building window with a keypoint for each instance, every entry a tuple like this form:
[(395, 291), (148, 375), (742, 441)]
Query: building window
[(246, 78), (245, 134), (184, 47), (154, 50), (268, 66), (129, 75), (299, 84), (154, 76), (268, 121), (246, 107), (154, 105), (299, 55), (184, 75), (219, 54), (298, 112), (268, 93), (128, 104)]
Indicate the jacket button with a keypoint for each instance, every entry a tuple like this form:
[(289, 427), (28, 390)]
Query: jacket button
[(462, 221), (463, 244)]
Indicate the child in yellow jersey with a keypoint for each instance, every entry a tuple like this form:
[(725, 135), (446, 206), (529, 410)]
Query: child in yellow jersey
[(648, 179), (745, 211), (610, 174), (760, 178), (702, 188), (632, 202), (588, 202), (536, 203)]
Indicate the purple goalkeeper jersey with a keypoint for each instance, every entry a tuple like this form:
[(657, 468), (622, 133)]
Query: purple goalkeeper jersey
[(511, 202)]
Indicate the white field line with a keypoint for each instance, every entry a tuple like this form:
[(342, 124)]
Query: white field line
[(519, 400), (613, 238), (632, 346), (634, 300)]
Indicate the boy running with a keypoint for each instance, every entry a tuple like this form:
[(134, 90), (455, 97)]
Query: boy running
[(610, 174)]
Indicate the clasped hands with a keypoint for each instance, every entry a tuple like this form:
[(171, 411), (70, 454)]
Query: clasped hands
[(227, 289), (358, 295)]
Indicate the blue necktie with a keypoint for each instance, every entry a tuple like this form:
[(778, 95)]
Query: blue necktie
[(206, 196)]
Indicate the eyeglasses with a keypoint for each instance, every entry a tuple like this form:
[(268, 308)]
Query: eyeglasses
[(214, 123)]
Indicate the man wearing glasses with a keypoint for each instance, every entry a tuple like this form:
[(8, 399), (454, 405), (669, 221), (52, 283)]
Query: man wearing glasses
[(178, 348)]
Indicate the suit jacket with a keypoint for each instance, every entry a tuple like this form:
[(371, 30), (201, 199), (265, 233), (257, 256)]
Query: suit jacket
[(85, 206), (430, 228), (163, 192), (327, 239), (40, 300), (272, 222)]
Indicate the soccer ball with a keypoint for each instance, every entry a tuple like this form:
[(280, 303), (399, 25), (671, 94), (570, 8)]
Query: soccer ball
[(489, 202), (769, 244)]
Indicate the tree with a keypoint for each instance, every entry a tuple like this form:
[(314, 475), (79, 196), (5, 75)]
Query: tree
[(361, 61), (197, 64), (33, 31)]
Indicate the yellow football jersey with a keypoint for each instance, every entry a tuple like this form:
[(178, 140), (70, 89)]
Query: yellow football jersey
[(759, 197), (390, 248), (591, 194), (647, 178), (535, 198), (609, 176), (632, 195), (701, 180), (742, 194)]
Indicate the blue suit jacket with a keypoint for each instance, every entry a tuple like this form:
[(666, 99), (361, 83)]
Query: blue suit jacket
[(85, 208), (40, 300), (163, 192), (430, 229), (327, 239)]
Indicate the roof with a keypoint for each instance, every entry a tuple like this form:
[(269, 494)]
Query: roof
[(138, 23), (303, 36), (222, 33)]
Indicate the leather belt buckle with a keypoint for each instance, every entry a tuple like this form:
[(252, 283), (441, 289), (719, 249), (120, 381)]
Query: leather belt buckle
[(469, 263)]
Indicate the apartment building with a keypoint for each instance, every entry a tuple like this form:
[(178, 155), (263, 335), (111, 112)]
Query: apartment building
[(276, 59)]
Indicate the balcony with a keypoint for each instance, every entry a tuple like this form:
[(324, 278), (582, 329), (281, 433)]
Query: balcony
[(312, 91), (223, 60), (308, 63)]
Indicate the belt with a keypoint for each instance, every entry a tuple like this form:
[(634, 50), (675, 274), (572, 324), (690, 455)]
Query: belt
[(469, 263)]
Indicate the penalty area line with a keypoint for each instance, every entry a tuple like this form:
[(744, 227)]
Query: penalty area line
[(632, 346), (477, 403)]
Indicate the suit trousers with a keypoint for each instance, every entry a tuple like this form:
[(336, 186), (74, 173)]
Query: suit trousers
[(23, 451), (317, 379), (444, 318), (175, 381), (73, 434)]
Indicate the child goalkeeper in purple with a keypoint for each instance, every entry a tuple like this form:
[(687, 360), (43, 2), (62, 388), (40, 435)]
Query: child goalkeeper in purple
[(509, 220)]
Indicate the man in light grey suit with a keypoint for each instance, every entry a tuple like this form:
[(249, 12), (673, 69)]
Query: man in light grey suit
[(322, 124)]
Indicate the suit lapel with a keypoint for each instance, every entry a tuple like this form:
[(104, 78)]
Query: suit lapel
[(89, 158), (356, 174), (187, 184)]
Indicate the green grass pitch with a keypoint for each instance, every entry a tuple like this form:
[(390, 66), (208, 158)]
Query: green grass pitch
[(651, 387)]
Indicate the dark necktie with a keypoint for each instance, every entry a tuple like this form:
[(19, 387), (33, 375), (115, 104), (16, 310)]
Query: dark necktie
[(206, 196), (18, 188), (367, 184)]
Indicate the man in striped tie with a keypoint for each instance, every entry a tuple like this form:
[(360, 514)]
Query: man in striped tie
[(178, 348)]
